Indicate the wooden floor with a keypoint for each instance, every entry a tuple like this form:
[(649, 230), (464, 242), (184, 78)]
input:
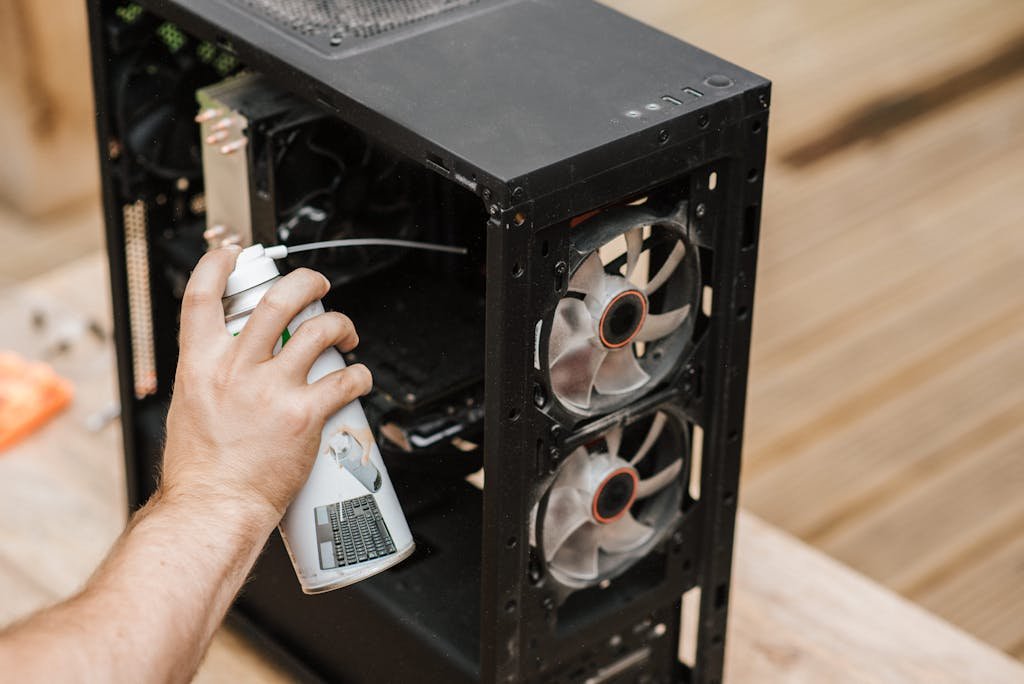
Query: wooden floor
[(33, 246), (886, 412)]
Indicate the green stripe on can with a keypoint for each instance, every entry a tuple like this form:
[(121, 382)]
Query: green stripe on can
[(285, 336)]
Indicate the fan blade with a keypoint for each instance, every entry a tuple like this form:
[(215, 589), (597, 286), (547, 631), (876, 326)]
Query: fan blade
[(589, 277), (571, 327), (625, 534), (657, 425), (575, 472), (662, 479), (620, 373), (572, 376), (578, 555), (634, 245), (660, 325), (614, 439), (567, 510), (667, 269)]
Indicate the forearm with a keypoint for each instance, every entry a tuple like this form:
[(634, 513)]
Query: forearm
[(242, 433), (150, 611)]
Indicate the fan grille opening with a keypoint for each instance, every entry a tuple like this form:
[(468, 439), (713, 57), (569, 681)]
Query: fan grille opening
[(613, 500), (628, 317)]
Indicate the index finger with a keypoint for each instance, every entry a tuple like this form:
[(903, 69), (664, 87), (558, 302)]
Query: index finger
[(202, 312)]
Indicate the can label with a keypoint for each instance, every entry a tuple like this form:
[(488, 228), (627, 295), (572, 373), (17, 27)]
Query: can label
[(352, 532), (345, 524)]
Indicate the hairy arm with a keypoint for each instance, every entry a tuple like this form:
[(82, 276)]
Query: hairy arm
[(151, 609), (242, 433)]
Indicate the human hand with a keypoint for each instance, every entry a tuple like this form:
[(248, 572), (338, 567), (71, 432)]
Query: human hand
[(244, 426)]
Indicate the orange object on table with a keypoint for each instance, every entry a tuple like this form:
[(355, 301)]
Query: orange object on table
[(30, 394)]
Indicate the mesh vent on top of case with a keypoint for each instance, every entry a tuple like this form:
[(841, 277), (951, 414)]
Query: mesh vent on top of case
[(343, 19)]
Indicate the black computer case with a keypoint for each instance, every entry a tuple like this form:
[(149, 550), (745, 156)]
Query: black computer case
[(589, 353)]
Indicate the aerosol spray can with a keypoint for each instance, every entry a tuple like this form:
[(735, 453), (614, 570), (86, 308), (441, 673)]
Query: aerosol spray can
[(346, 523)]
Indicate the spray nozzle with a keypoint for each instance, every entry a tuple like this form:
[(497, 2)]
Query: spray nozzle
[(255, 264), (281, 251)]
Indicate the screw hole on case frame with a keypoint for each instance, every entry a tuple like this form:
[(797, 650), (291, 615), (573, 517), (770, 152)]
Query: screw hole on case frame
[(511, 542), (510, 607), (753, 175), (756, 127), (750, 221), (721, 593), (513, 415), (517, 270), (545, 249), (742, 312), (734, 435)]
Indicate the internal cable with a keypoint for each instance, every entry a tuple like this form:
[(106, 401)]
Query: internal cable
[(281, 251)]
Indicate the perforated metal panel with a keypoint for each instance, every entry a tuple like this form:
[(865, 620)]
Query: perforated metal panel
[(338, 20)]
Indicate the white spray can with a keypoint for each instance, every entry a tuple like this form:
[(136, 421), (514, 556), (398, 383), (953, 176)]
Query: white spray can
[(346, 523)]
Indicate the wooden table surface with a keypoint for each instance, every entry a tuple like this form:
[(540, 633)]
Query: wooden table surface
[(885, 417), (886, 413), (888, 347), (796, 615)]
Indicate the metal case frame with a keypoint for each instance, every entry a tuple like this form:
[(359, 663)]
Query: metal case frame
[(526, 434)]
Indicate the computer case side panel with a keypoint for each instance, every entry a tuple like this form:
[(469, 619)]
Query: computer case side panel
[(727, 375), (506, 447)]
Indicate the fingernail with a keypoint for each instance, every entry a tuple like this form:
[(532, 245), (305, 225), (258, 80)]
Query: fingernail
[(369, 377), (327, 282)]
